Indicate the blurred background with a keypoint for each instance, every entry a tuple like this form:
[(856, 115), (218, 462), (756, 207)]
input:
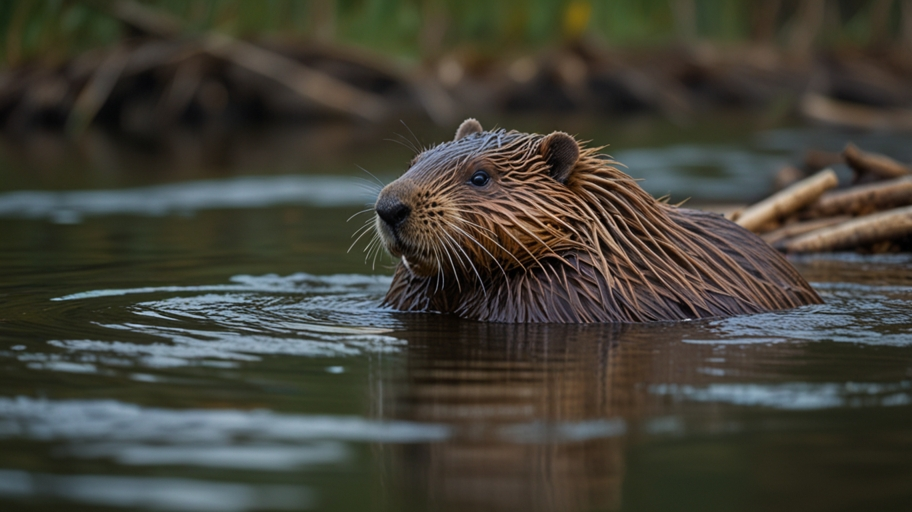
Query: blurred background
[(193, 87)]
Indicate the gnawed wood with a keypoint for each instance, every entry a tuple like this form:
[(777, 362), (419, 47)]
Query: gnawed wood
[(776, 237), (788, 201), (859, 232), (881, 166), (864, 199)]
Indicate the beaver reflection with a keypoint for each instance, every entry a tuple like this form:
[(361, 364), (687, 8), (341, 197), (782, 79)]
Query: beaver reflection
[(538, 415)]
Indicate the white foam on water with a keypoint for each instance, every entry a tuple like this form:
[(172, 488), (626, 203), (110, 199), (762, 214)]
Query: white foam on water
[(270, 283), (794, 395), (262, 457), (242, 321), (229, 438), (155, 492), (852, 313), (70, 207), (111, 420)]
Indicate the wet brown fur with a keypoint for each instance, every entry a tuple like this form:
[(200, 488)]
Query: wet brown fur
[(558, 236)]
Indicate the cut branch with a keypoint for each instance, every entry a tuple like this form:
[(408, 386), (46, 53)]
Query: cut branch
[(311, 84), (863, 199), (869, 229), (881, 166), (777, 236), (788, 201)]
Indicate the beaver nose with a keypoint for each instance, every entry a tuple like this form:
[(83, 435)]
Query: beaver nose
[(392, 211)]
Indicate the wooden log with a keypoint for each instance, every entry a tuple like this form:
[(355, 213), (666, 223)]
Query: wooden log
[(881, 166), (96, 92), (864, 199), (788, 201), (794, 229), (821, 108), (313, 85), (859, 232)]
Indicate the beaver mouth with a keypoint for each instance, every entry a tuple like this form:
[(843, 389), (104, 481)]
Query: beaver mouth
[(417, 262)]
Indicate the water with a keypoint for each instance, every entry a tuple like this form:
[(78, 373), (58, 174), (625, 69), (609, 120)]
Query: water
[(208, 344)]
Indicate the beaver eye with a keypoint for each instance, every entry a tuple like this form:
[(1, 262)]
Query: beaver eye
[(480, 179)]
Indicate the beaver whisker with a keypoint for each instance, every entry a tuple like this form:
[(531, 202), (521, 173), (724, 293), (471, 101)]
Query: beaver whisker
[(366, 230), (482, 247), (417, 140), (368, 224), (379, 182), (468, 260), (440, 280), (375, 187), (366, 210), (407, 144), (446, 251), (374, 243)]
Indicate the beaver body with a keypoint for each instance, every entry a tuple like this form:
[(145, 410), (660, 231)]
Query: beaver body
[(510, 227)]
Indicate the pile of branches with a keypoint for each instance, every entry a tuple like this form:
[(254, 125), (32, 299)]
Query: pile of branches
[(872, 214), (161, 75)]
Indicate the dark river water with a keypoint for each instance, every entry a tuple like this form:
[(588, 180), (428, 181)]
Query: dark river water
[(198, 338)]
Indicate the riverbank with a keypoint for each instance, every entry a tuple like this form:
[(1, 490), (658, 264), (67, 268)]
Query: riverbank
[(159, 77)]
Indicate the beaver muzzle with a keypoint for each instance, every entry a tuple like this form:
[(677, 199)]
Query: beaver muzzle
[(392, 215), (392, 211)]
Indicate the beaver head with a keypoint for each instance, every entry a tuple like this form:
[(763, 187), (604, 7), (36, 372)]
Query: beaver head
[(487, 201), (508, 226)]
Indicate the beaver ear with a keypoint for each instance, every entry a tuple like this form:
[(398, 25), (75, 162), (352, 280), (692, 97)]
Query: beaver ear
[(468, 127), (561, 151)]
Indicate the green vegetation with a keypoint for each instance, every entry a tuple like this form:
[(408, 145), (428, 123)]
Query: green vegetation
[(51, 30)]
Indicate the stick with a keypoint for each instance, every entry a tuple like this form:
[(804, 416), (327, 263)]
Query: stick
[(861, 231), (821, 108), (799, 228), (870, 163), (787, 201), (313, 85), (309, 83), (95, 93), (863, 199)]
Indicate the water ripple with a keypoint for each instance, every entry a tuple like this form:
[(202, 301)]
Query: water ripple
[(70, 207)]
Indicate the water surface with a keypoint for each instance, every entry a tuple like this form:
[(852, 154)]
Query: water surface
[(208, 344)]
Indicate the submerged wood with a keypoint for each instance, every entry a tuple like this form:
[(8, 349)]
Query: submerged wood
[(859, 232), (863, 199), (881, 166), (788, 201)]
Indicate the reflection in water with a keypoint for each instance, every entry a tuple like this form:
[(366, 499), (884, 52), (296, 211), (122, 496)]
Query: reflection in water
[(539, 414), (543, 417)]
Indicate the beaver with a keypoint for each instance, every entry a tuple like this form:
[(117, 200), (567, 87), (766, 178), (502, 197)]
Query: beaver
[(504, 226)]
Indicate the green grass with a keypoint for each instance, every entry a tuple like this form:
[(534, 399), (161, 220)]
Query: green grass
[(53, 30)]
